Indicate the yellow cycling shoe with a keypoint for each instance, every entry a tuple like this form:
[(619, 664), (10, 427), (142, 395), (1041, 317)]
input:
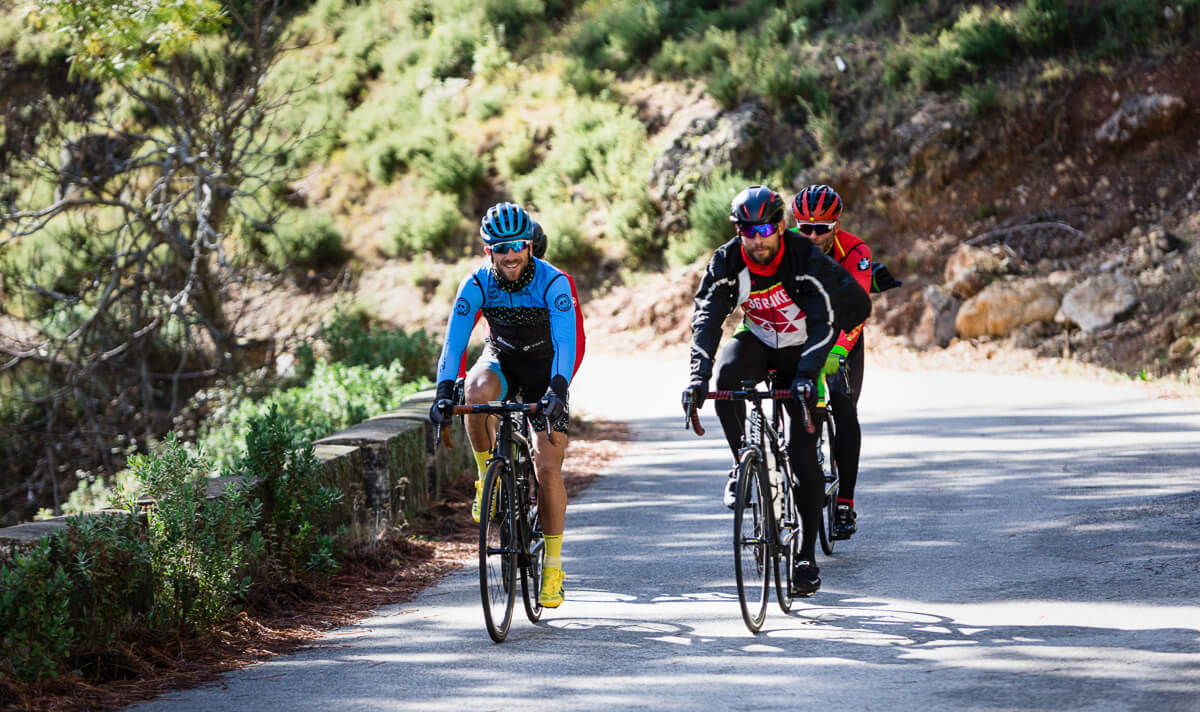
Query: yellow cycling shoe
[(478, 504), (552, 588)]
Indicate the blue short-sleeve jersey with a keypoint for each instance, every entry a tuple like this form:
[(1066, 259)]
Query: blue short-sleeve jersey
[(535, 322)]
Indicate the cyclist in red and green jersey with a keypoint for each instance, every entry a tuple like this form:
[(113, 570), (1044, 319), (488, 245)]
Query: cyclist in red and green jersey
[(818, 211)]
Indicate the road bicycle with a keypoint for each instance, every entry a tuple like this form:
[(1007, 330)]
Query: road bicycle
[(510, 532), (766, 516)]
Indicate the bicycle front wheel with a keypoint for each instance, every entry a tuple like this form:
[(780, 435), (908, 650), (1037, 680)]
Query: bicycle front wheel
[(534, 554), (497, 551), (789, 533), (751, 549)]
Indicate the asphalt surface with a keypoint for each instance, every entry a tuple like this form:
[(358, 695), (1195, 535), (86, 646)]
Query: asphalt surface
[(1024, 544)]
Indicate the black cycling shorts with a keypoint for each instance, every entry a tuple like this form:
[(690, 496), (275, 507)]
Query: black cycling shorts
[(525, 380)]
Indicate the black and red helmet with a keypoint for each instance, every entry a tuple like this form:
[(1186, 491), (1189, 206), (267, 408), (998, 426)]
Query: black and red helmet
[(756, 205), (817, 203)]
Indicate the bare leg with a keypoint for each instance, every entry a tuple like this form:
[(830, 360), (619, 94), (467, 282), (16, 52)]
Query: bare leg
[(482, 385), (552, 495)]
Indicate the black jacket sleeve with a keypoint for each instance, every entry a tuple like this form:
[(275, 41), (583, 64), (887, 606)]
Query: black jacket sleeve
[(715, 300)]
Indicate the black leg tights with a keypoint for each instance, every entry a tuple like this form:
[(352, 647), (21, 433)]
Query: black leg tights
[(849, 434), (747, 358)]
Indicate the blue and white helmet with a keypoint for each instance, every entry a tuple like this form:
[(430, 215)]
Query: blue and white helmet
[(504, 222)]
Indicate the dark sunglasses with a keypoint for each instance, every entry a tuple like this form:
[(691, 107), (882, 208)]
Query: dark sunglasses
[(755, 230), (811, 228), (503, 248)]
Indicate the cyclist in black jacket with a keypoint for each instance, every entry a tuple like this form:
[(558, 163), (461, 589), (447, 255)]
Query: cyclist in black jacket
[(796, 300)]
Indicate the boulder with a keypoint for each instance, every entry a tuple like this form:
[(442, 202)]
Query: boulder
[(1098, 301), (937, 324), (1003, 306), (970, 269), (1141, 116)]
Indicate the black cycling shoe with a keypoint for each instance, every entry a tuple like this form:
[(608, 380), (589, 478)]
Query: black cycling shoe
[(844, 522), (805, 579)]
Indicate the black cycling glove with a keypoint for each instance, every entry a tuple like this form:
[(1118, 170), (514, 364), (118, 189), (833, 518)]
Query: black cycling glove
[(443, 402), (802, 388), (554, 403), (694, 395)]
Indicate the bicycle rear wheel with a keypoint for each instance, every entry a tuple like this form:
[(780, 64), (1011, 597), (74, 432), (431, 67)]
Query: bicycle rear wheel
[(751, 536), (534, 554), (830, 509), (497, 551)]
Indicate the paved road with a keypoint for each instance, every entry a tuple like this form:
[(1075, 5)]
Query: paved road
[(1024, 544)]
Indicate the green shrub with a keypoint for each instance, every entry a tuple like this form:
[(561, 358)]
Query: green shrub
[(450, 50), (984, 37), (566, 244), (488, 102), (111, 581), (35, 626), (634, 220), (299, 511), (430, 225), (352, 340), (621, 35), (587, 81), (335, 397), (1041, 24), (451, 167), (306, 239), (515, 157), (709, 218), (981, 99), (200, 548)]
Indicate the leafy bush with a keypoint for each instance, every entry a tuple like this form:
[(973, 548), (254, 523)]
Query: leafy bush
[(298, 515), (306, 239), (450, 168), (351, 339), (566, 245), (430, 225), (621, 35), (515, 157), (335, 397), (981, 99), (111, 581), (200, 548), (35, 624), (587, 81), (709, 218)]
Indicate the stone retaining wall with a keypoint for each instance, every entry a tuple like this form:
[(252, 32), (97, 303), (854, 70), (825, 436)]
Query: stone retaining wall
[(387, 469)]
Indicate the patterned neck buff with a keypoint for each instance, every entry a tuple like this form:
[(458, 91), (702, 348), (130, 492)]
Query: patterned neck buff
[(520, 282)]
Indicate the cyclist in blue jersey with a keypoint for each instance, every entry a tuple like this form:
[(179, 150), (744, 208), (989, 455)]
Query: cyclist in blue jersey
[(530, 352)]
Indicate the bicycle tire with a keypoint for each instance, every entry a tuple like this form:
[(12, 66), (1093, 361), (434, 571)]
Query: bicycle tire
[(830, 508), (497, 551), (785, 556), (533, 545), (751, 535)]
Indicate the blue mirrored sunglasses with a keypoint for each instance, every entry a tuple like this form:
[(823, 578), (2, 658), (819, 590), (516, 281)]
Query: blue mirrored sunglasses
[(503, 248), (756, 230)]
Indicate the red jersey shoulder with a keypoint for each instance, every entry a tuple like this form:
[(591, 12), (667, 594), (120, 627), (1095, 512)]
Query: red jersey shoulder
[(852, 252)]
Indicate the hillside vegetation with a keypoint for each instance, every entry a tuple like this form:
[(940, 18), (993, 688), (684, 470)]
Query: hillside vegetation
[(625, 127)]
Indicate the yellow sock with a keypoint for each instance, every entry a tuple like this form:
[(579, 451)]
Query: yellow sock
[(553, 551), (481, 462)]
